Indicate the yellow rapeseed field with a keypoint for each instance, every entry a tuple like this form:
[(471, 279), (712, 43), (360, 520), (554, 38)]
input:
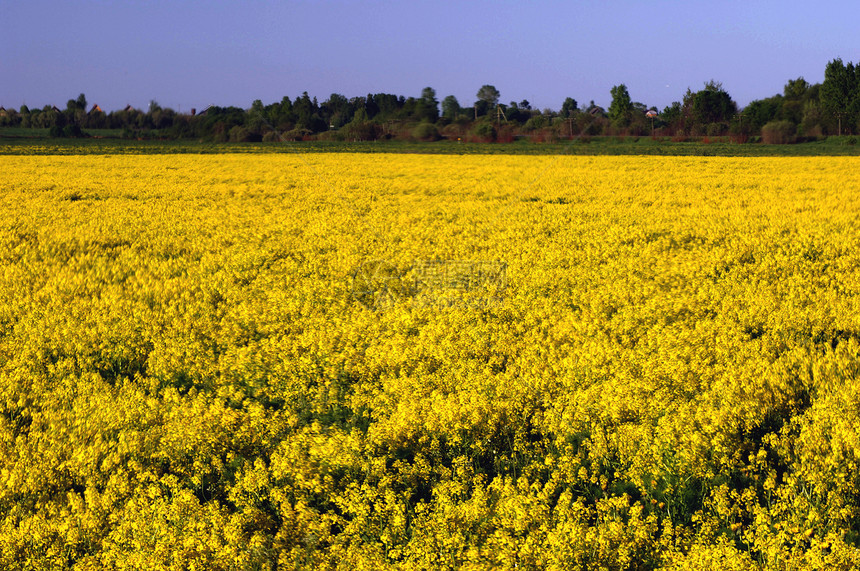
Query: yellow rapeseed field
[(346, 361)]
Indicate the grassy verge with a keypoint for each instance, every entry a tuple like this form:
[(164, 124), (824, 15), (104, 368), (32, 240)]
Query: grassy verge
[(15, 141)]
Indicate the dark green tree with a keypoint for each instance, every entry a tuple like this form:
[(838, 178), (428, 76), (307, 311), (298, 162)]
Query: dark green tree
[(489, 95), (839, 93), (795, 95), (307, 114), (427, 108), (488, 98), (257, 106), (796, 88), (257, 121), (761, 112), (517, 114), (382, 106), (361, 128), (621, 108), (712, 108), (672, 115), (370, 106), (450, 107), (569, 107), (336, 110), (79, 104)]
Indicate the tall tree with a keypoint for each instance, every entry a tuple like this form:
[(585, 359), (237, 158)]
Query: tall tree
[(795, 95), (795, 88), (569, 107), (762, 111), (710, 105), (450, 107), (336, 110), (489, 95), (284, 117), (488, 98), (671, 114), (371, 107), (839, 92), (427, 108), (621, 107), (307, 114)]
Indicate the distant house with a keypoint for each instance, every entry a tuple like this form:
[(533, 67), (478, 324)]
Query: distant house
[(596, 110), (3, 112), (96, 108), (128, 108), (208, 107)]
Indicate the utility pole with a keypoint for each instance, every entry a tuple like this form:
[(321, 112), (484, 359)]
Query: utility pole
[(499, 114)]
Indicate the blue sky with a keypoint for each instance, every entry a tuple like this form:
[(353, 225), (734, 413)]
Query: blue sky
[(191, 54)]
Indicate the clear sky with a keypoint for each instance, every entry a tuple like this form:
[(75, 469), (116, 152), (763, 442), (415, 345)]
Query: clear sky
[(190, 54)]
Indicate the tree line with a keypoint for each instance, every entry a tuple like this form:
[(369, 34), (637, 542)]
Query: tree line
[(801, 111)]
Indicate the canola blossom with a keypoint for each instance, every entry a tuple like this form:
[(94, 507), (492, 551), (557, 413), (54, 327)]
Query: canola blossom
[(347, 361)]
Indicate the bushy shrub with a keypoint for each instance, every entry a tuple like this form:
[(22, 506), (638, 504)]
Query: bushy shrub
[(426, 132), (484, 132), (298, 134), (535, 123), (362, 131), (779, 133), (811, 132), (239, 134), (638, 129), (73, 131), (593, 129), (219, 133), (716, 129), (454, 131)]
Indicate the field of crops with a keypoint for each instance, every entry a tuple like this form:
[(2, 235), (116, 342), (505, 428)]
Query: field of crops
[(364, 361)]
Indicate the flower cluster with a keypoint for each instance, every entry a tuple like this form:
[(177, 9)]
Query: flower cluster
[(190, 380)]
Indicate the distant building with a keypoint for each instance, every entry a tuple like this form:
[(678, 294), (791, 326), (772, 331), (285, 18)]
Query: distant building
[(596, 110), (96, 108), (128, 108)]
